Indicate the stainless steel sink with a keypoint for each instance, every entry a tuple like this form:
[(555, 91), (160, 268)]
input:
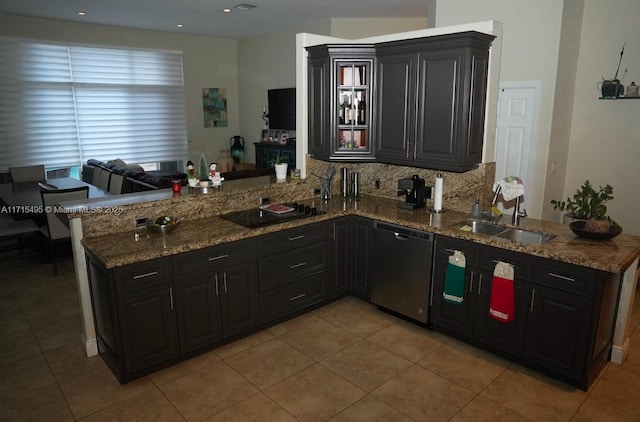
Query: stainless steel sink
[(503, 232), (526, 236), (481, 227)]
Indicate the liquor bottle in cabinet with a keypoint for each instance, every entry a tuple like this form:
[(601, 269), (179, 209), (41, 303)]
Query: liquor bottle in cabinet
[(340, 84)]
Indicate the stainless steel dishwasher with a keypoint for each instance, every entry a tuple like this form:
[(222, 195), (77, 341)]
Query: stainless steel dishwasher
[(401, 280)]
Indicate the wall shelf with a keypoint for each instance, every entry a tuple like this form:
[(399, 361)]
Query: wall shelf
[(619, 98)]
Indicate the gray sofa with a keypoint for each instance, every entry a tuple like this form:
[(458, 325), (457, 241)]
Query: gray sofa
[(136, 179)]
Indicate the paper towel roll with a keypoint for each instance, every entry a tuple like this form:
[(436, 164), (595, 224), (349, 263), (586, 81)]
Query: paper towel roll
[(437, 196)]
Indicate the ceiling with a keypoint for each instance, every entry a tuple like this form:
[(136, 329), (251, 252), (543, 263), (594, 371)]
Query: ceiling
[(206, 17)]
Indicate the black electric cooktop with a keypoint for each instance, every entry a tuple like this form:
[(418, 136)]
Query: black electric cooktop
[(256, 218)]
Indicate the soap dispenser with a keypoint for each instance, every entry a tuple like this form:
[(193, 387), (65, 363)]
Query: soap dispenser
[(476, 210)]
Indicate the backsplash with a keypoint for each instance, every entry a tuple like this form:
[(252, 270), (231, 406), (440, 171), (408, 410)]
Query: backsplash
[(459, 193)]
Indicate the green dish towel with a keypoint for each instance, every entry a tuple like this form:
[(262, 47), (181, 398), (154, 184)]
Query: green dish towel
[(454, 279)]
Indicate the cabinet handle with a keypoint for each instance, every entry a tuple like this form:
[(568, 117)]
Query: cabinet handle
[(149, 274), (171, 296), (291, 239), (214, 258), (216, 279), (334, 232), (415, 149), (479, 284), (224, 282), (298, 265), (450, 250), (300, 296), (408, 147), (471, 283), (533, 299), (561, 277)]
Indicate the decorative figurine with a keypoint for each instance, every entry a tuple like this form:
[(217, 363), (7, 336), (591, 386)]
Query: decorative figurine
[(214, 175)]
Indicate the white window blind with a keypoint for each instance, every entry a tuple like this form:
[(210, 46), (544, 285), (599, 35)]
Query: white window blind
[(62, 105)]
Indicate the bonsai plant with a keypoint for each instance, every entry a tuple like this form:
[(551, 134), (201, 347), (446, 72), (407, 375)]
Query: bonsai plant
[(588, 204)]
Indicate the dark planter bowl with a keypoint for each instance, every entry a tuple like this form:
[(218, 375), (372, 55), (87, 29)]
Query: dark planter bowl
[(578, 228)]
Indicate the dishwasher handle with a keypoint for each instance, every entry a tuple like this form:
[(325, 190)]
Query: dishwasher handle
[(402, 233)]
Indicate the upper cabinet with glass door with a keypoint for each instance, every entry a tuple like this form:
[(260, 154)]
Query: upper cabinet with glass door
[(340, 98)]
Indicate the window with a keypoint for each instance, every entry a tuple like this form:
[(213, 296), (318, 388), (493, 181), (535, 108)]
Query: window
[(61, 105)]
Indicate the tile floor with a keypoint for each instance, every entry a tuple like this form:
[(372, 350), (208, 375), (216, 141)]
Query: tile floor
[(344, 362)]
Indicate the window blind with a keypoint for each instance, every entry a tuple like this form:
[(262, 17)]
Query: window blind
[(65, 104)]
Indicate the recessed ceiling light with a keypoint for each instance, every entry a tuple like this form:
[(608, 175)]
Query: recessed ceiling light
[(227, 10), (180, 25), (245, 7), (82, 13)]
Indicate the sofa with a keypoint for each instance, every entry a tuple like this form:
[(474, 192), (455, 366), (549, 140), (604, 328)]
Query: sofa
[(136, 178)]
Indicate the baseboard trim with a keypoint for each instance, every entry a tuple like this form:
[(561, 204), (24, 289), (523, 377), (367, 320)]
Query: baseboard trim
[(90, 346), (619, 353)]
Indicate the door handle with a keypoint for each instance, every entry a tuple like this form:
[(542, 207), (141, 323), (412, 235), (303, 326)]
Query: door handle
[(533, 299), (479, 284), (224, 282), (471, 283), (215, 277), (298, 265), (291, 239), (149, 274), (171, 297), (214, 258)]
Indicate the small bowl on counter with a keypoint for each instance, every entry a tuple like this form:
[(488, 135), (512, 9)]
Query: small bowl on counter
[(163, 225)]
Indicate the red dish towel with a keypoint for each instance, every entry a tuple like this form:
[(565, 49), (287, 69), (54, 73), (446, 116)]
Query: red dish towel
[(502, 304)]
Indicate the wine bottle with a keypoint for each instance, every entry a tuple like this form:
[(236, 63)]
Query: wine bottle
[(341, 110), (347, 109), (362, 112)]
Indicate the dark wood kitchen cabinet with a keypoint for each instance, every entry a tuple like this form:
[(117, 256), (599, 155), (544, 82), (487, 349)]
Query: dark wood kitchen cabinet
[(362, 255), (430, 101), (341, 78), (341, 256)]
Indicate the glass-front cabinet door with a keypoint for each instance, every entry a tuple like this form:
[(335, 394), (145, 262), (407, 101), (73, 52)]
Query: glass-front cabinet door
[(352, 110)]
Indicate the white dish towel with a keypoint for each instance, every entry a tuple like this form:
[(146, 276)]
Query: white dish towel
[(512, 187)]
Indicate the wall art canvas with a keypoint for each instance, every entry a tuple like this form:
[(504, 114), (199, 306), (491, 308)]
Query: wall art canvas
[(214, 103)]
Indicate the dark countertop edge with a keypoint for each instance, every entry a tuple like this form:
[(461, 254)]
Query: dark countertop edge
[(239, 233)]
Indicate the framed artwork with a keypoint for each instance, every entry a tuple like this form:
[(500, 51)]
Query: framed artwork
[(214, 105)]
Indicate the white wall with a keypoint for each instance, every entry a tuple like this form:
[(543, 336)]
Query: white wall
[(530, 45), (605, 134)]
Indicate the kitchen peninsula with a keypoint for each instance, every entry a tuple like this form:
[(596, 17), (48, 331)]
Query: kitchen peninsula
[(114, 249)]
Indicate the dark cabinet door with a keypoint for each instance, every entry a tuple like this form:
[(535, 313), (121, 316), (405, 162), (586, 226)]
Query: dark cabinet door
[(238, 290), (148, 325), (361, 252), (341, 256), (395, 128), (506, 336), (319, 89), (558, 330), (198, 311), (453, 316)]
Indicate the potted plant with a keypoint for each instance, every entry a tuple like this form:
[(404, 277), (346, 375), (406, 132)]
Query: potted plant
[(281, 167), (588, 204)]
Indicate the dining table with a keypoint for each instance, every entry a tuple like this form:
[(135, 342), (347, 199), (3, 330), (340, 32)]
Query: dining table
[(23, 200)]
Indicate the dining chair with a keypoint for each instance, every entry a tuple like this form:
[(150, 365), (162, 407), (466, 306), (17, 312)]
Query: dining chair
[(56, 230), (115, 183), (27, 174), (101, 178), (19, 230)]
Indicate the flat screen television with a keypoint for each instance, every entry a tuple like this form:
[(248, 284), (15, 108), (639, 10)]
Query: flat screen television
[(282, 108)]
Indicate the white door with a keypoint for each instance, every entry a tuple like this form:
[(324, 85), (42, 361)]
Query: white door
[(515, 134)]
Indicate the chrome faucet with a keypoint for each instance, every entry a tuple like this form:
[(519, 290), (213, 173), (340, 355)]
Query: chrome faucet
[(517, 214)]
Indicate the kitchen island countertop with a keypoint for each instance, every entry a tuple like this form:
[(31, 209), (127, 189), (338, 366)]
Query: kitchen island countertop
[(124, 248)]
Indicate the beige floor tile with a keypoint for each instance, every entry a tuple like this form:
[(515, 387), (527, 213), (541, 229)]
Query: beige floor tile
[(208, 391), (87, 383), (62, 307), (315, 394), (178, 370), (423, 395), (596, 409), (482, 409), (23, 376), (150, 405), (57, 332), (619, 388), (360, 320), (534, 395), (367, 365), (370, 409), (43, 404), (408, 340), (296, 323), (16, 339), (243, 344), (465, 365), (268, 363), (257, 408), (319, 339), (340, 304), (632, 362)]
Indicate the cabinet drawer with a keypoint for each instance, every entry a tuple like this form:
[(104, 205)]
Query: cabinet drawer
[(564, 276), (522, 263), (141, 275), (445, 246), (276, 270), (292, 238), (292, 297), (195, 262)]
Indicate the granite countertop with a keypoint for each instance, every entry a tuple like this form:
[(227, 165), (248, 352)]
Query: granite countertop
[(124, 248)]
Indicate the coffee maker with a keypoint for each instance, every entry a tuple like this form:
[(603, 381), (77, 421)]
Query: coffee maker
[(415, 191)]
